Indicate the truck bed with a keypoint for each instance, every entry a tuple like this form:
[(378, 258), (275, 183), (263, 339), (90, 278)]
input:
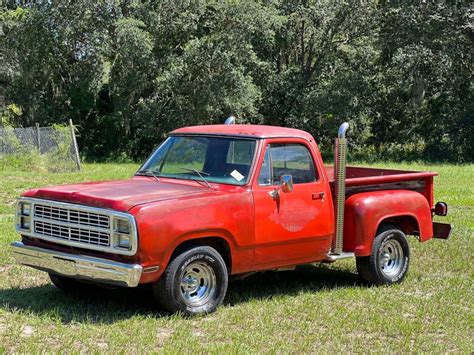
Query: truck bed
[(361, 179), (356, 175)]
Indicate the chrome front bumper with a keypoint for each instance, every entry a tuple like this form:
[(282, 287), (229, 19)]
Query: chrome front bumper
[(78, 266)]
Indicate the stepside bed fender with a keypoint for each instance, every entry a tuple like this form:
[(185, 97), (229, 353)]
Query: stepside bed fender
[(364, 212)]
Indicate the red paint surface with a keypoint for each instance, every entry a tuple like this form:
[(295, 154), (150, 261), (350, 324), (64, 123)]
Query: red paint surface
[(119, 195), (256, 131), (364, 212), (259, 231), (295, 228)]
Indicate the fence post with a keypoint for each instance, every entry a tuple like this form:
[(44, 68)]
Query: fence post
[(38, 137), (74, 143), (2, 137)]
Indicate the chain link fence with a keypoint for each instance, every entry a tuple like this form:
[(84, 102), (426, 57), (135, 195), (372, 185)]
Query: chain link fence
[(40, 148)]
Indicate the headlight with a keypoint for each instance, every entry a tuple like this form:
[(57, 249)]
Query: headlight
[(122, 241), (122, 225), (122, 233), (25, 222), (23, 216), (25, 209)]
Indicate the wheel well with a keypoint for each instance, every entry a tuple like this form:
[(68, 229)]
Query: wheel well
[(217, 243), (408, 224)]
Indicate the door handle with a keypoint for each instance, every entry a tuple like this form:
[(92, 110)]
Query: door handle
[(317, 195)]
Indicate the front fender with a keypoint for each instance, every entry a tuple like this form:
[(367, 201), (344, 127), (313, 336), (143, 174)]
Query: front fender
[(164, 226), (364, 212)]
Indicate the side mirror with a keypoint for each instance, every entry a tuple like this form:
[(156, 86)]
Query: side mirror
[(286, 183)]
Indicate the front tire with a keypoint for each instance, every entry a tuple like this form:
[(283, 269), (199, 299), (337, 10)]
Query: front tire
[(389, 260), (195, 282)]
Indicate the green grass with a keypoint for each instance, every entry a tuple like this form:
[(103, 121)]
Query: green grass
[(314, 309)]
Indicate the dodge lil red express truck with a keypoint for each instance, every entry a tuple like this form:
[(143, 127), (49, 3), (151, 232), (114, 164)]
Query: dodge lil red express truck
[(225, 200)]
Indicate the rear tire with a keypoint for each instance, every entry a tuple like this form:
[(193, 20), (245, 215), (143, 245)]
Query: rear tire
[(389, 260), (195, 282)]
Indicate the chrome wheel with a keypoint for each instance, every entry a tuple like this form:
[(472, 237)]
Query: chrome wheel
[(198, 284), (391, 258), (194, 282)]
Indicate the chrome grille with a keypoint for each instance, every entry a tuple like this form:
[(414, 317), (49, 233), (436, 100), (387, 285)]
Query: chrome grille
[(72, 216), (72, 234), (75, 225)]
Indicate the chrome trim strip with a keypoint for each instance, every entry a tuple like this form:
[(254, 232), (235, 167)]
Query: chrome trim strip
[(110, 213), (78, 266)]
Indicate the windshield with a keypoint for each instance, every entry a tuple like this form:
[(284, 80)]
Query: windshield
[(207, 159)]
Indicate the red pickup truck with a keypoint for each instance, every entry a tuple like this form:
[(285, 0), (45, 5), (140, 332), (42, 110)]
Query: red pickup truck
[(220, 200)]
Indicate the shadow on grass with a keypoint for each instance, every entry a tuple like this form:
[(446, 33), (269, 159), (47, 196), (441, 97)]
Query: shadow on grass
[(96, 306), (112, 305), (306, 278)]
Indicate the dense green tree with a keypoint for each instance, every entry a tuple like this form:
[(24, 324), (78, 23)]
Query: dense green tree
[(426, 90), (128, 72), (53, 66)]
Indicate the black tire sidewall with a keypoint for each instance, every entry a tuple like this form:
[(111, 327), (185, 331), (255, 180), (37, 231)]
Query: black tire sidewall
[(212, 258), (379, 243)]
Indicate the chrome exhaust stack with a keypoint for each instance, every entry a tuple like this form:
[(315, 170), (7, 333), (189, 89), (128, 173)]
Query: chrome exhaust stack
[(340, 158), (230, 120)]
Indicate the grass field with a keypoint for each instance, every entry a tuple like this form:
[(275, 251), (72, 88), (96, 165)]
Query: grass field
[(314, 309)]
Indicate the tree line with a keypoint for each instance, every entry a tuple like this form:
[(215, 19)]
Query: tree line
[(128, 72)]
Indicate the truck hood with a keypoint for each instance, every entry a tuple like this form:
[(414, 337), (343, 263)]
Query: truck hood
[(120, 195)]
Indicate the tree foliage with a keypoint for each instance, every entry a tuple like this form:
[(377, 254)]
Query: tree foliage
[(128, 72)]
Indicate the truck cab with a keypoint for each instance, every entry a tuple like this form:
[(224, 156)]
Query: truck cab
[(226, 200)]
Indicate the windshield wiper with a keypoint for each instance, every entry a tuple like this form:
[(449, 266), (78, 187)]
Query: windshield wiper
[(147, 173), (201, 175)]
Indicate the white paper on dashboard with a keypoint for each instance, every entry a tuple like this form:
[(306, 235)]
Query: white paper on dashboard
[(236, 175)]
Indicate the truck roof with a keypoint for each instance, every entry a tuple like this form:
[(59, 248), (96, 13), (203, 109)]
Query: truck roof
[(245, 130)]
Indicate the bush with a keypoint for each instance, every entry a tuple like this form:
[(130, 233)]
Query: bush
[(395, 152), (32, 161)]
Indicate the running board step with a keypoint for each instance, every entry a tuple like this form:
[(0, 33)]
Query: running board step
[(333, 257)]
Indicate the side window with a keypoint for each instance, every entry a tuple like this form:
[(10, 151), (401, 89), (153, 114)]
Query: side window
[(287, 159)]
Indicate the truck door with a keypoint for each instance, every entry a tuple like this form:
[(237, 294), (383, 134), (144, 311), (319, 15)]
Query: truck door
[(297, 226)]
